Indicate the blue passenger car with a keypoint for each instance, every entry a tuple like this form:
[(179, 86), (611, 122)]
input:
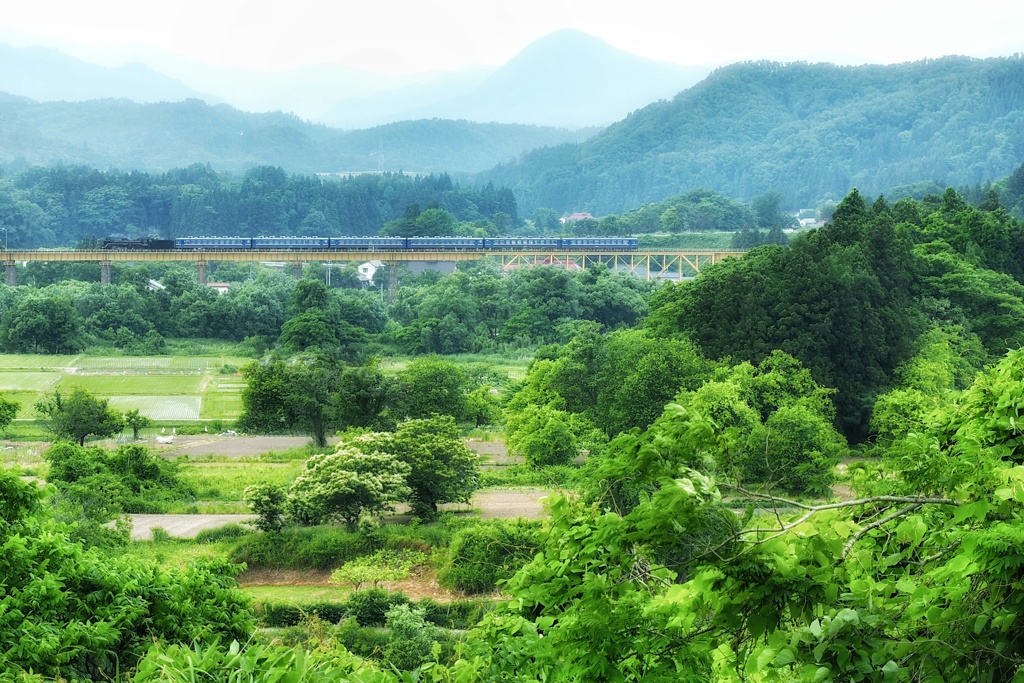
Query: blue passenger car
[(599, 243), (368, 243), (204, 243), (290, 243), (520, 243), (445, 243)]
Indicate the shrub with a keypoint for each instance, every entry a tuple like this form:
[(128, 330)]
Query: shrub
[(480, 556), (362, 641), (301, 548), (795, 450), (370, 607), (461, 614), (224, 533), (383, 565), (267, 502), (411, 638)]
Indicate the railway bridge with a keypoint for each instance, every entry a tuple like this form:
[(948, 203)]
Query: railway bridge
[(659, 264)]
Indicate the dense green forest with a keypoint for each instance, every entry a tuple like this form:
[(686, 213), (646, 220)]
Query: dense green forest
[(59, 206), (157, 137), (808, 131), (705, 538)]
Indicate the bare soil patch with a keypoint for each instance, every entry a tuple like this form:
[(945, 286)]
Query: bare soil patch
[(285, 577), (230, 446), (494, 503), (494, 452), (420, 585), (491, 503)]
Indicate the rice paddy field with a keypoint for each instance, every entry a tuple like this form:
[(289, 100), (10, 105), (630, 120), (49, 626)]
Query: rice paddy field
[(163, 388)]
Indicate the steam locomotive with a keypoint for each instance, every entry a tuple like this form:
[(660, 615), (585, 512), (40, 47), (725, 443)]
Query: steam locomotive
[(374, 244)]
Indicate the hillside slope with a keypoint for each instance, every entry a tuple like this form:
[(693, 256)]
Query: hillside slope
[(809, 131)]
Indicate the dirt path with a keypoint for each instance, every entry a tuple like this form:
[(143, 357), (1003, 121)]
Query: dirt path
[(230, 446), (491, 504), (180, 526)]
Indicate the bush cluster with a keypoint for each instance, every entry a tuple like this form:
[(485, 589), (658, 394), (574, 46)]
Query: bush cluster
[(485, 554), (370, 607)]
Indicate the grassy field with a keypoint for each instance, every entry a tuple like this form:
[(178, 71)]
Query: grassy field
[(169, 389), (226, 480)]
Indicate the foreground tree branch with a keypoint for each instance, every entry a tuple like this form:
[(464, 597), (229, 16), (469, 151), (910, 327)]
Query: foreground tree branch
[(911, 503)]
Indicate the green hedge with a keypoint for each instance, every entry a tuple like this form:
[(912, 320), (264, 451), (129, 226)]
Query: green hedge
[(319, 547), (369, 608)]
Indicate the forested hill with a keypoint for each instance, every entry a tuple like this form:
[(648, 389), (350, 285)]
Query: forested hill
[(809, 131), (60, 206), (158, 137)]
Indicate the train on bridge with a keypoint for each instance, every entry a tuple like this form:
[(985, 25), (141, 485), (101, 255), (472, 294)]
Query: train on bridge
[(376, 244)]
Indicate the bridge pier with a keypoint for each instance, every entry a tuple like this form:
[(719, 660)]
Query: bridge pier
[(104, 272), (297, 270), (12, 274), (392, 281), (201, 271)]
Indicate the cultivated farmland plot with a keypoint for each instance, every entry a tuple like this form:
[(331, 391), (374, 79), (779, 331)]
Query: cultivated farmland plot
[(28, 381), (112, 385), (146, 364), (160, 407), (166, 388), (30, 361)]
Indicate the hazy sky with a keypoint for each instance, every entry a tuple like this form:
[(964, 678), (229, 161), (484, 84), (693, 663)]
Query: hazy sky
[(407, 36)]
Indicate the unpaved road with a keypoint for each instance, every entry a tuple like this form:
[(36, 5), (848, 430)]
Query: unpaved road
[(180, 526), (491, 504), (229, 446)]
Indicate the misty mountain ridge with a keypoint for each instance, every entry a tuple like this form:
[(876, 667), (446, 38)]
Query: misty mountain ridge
[(118, 133), (567, 79), (48, 75)]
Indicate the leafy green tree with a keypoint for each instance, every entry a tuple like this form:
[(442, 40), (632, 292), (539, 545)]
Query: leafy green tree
[(767, 211), (309, 294), (355, 480), (383, 565), (430, 386), (483, 407), (301, 394), (542, 436), (640, 374), (672, 220), (8, 411), (794, 451), (791, 299), (435, 222), (315, 329), (442, 469), (78, 415), (41, 323), (136, 421), (363, 394), (267, 501)]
